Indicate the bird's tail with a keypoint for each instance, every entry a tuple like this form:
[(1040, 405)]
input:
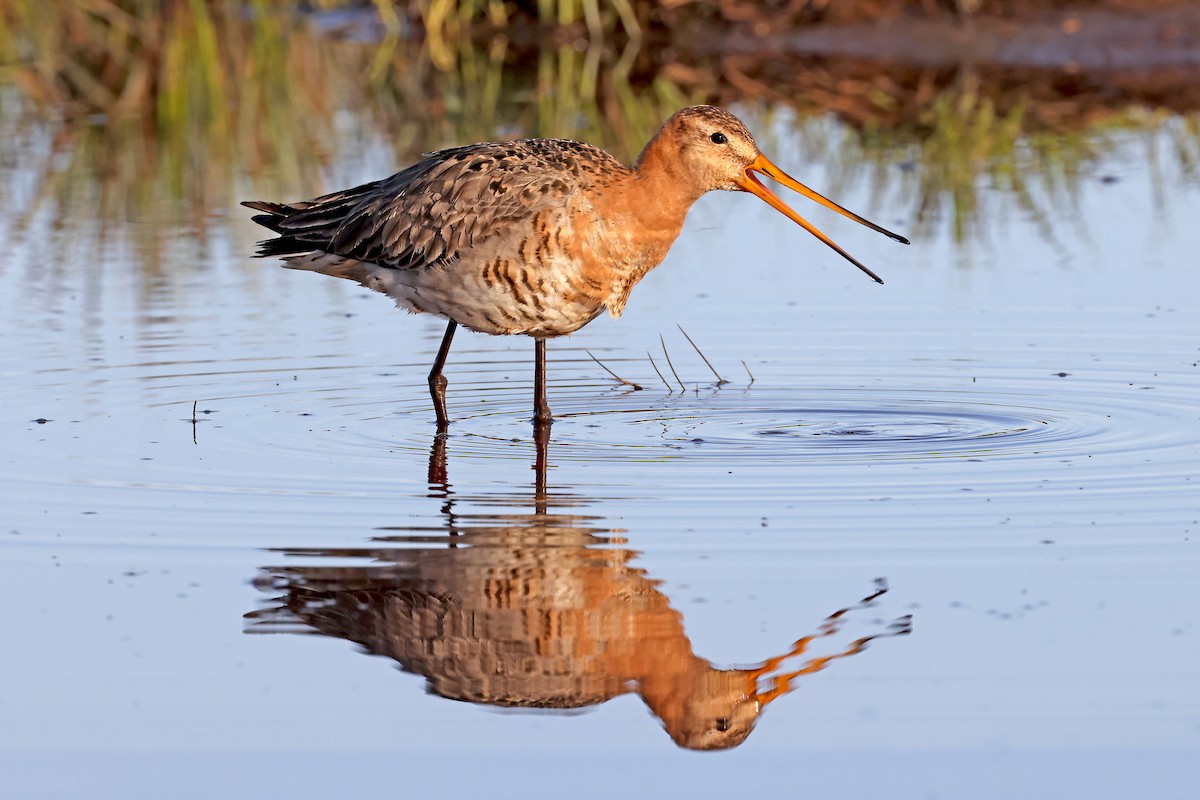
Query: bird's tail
[(273, 213), (306, 230), (272, 219)]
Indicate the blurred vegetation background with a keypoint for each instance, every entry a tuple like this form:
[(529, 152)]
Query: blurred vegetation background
[(155, 116)]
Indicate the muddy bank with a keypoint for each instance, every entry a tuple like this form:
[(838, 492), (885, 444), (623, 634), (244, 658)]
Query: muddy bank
[(1071, 40), (1065, 65), (1062, 64)]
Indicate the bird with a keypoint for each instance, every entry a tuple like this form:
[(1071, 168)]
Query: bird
[(530, 236)]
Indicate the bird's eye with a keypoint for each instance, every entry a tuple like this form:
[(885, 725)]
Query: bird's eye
[(718, 138), (723, 722)]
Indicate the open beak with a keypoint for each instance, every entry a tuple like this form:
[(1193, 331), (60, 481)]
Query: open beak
[(749, 183)]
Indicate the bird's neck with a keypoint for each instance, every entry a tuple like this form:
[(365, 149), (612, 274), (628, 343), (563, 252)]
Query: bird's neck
[(663, 178), (642, 211), (652, 199)]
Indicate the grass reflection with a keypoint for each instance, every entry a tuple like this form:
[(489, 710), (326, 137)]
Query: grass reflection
[(160, 112)]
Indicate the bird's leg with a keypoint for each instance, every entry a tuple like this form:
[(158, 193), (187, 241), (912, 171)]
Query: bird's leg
[(541, 409), (437, 381)]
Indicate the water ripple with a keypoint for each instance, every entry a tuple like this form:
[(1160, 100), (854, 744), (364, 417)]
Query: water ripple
[(1120, 435)]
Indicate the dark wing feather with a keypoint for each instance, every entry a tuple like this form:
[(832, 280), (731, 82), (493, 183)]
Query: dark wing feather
[(308, 225), (436, 209)]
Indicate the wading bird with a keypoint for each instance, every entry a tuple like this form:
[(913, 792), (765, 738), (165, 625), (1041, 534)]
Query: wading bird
[(534, 236)]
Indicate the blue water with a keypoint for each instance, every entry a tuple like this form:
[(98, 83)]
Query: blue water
[(1007, 431)]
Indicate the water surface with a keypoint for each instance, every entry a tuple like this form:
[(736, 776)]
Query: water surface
[(1007, 432)]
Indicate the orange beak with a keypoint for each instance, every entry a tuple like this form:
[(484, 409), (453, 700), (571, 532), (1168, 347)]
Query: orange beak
[(749, 183)]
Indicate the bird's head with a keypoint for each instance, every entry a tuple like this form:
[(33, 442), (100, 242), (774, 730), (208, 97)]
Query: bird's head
[(714, 147), (717, 151)]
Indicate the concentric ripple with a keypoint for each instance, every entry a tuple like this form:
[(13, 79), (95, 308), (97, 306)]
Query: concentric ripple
[(848, 423), (334, 425)]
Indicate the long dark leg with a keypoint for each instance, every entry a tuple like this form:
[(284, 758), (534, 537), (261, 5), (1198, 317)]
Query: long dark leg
[(437, 381), (541, 409)]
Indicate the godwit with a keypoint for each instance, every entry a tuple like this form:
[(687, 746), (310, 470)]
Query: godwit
[(534, 236)]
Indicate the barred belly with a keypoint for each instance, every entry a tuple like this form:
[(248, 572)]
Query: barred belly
[(498, 296)]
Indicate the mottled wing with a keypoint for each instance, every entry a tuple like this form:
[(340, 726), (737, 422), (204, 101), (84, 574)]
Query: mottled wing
[(439, 208)]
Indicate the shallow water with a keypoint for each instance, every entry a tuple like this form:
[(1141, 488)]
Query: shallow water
[(1007, 432)]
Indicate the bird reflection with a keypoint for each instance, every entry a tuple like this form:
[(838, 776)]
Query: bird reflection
[(534, 610)]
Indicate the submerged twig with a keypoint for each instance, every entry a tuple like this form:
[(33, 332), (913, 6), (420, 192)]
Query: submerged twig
[(720, 381), (660, 375), (748, 372), (635, 386), (667, 355)]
